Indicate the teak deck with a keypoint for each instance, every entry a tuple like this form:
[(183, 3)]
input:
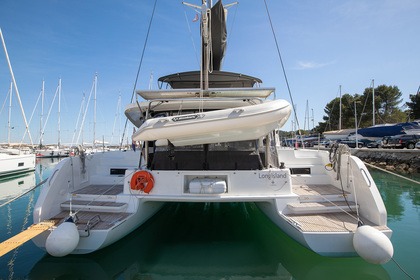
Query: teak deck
[(329, 222), (107, 220), (326, 222)]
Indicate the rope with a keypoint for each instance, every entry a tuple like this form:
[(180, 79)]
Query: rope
[(138, 70), (284, 71), (393, 173), (398, 265), (402, 269)]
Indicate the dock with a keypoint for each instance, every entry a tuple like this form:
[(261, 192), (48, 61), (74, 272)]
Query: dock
[(24, 236)]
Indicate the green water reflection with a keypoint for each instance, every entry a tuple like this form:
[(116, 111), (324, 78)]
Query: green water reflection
[(207, 241)]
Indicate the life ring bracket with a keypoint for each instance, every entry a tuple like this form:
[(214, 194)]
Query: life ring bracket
[(142, 181)]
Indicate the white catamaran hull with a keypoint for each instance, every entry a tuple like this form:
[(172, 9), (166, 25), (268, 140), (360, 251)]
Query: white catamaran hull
[(104, 214), (275, 191)]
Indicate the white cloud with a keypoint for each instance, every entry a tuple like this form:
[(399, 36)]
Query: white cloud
[(303, 65)]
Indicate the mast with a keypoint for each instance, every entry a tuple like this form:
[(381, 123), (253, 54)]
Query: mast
[(355, 123), (373, 101), (15, 86), (41, 120), (339, 120), (78, 119), (9, 128), (83, 119), (205, 48), (94, 111), (59, 112), (117, 118), (306, 115), (213, 37), (313, 121)]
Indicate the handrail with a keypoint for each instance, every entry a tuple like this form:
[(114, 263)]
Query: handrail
[(89, 225), (365, 176)]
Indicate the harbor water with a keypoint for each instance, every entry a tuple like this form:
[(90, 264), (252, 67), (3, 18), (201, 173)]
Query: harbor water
[(207, 241)]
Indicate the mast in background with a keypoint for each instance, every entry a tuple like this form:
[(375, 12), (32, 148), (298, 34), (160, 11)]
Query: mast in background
[(41, 119), (16, 88), (94, 111), (9, 127), (339, 120), (59, 113), (373, 101)]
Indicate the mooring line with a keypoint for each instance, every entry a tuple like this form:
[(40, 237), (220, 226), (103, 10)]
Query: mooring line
[(393, 173), (402, 269), (411, 180)]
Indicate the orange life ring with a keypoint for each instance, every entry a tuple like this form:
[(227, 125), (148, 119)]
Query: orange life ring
[(143, 181)]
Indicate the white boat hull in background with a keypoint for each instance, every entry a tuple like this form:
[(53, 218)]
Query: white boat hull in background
[(13, 164)]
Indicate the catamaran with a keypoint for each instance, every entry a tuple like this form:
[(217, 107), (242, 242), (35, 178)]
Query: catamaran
[(212, 137)]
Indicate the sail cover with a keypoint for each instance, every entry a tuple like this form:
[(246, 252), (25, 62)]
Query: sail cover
[(218, 34)]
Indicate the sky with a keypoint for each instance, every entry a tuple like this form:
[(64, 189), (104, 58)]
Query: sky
[(323, 44)]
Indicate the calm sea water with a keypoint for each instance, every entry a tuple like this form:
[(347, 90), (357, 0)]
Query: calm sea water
[(209, 241)]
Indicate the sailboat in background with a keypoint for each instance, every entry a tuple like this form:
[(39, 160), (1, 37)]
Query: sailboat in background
[(79, 141), (14, 161), (51, 151), (374, 132)]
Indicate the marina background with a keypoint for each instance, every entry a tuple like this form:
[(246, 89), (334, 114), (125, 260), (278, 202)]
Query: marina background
[(211, 241), (346, 43)]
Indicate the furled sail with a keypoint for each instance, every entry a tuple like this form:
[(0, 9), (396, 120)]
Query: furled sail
[(218, 35)]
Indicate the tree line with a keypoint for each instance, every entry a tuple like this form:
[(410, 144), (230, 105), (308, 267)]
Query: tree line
[(388, 109)]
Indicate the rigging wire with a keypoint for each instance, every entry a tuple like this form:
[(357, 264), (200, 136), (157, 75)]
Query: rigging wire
[(33, 111), (233, 22), (139, 68), (191, 36), (5, 100), (284, 71), (331, 110), (364, 106), (392, 173), (402, 269)]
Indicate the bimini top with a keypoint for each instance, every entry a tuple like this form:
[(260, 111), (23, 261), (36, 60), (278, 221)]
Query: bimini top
[(217, 79)]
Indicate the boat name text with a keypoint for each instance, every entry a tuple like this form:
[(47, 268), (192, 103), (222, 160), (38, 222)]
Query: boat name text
[(271, 176), (187, 118)]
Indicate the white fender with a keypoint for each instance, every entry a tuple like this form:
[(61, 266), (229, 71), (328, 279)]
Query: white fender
[(63, 240), (372, 245)]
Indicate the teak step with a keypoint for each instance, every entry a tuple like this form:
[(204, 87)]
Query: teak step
[(321, 207), (319, 193), (101, 192), (94, 206)]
